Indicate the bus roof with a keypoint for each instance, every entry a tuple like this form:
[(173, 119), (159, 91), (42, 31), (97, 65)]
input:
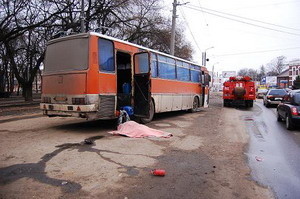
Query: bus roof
[(141, 47), (118, 40)]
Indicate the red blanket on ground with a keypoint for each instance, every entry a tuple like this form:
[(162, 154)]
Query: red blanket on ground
[(135, 130)]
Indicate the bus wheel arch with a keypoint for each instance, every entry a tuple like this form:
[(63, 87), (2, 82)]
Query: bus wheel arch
[(151, 113)]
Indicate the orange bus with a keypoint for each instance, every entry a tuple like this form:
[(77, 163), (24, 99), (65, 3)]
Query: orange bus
[(93, 76)]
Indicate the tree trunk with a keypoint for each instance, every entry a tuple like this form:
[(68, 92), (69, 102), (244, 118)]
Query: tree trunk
[(12, 83), (27, 91), (2, 81), (36, 84), (18, 90)]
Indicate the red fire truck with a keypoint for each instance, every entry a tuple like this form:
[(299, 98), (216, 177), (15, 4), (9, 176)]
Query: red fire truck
[(239, 91)]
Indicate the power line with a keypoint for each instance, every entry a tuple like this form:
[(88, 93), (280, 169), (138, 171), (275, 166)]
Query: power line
[(206, 23), (282, 31), (254, 52), (263, 22), (263, 5), (190, 29), (203, 13)]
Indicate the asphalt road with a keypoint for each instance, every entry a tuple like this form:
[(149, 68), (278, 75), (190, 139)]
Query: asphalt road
[(274, 152), (43, 157)]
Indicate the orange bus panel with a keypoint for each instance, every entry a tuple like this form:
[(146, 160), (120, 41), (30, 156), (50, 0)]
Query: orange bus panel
[(171, 86), (67, 84)]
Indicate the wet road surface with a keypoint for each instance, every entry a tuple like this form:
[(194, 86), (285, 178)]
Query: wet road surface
[(274, 152)]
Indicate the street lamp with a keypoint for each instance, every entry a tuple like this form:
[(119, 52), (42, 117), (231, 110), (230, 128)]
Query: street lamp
[(204, 56)]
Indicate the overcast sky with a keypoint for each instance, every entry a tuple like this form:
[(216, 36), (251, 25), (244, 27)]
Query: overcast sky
[(235, 42)]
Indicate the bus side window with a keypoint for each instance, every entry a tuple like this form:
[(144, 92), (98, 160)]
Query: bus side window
[(154, 65), (106, 55), (183, 74), (166, 67), (195, 76), (187, 66)]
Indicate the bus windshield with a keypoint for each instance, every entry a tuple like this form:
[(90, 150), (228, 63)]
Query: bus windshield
[(67, 55)]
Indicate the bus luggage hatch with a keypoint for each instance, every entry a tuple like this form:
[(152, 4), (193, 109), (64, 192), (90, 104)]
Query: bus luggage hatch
[(142, 95)]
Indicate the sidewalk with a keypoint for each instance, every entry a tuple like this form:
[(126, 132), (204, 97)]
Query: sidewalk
[(16, 108), (10, 118)]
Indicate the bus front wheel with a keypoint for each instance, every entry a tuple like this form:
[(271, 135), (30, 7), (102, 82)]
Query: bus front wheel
[(195, 105), (145, 120)]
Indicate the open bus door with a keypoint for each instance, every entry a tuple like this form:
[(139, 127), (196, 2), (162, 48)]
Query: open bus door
[(142, 95), (207, 79), (203, 87)]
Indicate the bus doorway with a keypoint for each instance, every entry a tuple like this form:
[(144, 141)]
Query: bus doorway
[(124, 79), (142, 95)]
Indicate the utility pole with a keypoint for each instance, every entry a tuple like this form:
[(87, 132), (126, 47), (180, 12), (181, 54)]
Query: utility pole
[(172, 45), (82, 17)]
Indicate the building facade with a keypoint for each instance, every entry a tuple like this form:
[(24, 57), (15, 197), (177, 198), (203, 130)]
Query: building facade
[(294, 70), (283, 79)]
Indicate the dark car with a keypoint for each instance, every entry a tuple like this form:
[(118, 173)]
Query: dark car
[(289, 109), (274, 97), (261, 93)]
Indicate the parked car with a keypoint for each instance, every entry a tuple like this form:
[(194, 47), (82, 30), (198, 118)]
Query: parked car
[(274, 97), (261, 93), (289, 109)]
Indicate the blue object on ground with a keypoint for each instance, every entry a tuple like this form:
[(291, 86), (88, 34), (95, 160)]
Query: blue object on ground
[(128, 109)]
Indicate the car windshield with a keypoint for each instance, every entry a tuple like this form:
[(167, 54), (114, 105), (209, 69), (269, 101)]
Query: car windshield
[(297, 98), (277, 92)]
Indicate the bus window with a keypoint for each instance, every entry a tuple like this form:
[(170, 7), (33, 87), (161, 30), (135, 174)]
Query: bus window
[(183, 74), (195, 76), (166, 68), (153, 65), (207, 79), (142, 63), (67, 55), (106, 55)]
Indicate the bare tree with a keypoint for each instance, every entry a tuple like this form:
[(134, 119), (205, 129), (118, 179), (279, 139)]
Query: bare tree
[(243, 72), (249, 72), (276, 66), (253, 74), (22, 26)]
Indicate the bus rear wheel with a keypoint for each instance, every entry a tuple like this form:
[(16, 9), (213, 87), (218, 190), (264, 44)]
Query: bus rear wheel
[(145, 120)]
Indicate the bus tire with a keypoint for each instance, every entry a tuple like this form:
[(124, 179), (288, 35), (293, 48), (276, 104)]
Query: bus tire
[(151, 114), (195, 105)]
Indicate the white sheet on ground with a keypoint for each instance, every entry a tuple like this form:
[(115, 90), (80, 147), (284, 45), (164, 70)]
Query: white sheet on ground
[(135, 130)]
